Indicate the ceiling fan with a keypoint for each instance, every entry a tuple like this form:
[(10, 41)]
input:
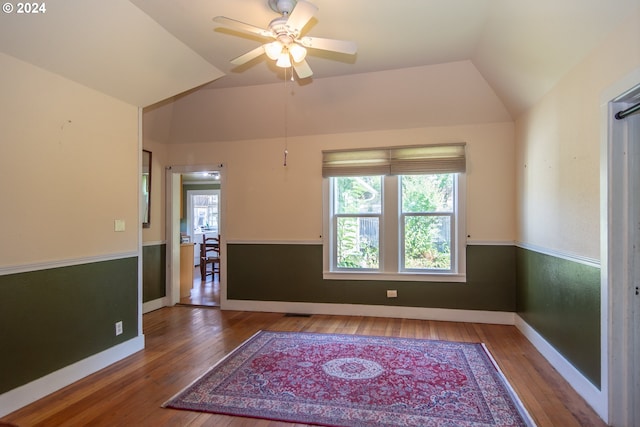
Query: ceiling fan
[(289, 47)]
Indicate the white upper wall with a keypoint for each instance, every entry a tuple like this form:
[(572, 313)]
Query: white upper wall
[(267, 201), (68, 168), (558, 150)]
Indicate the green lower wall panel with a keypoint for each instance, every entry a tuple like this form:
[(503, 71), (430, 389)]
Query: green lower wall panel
[(560, 299), (53, 318), (154, 272), (293, 273)]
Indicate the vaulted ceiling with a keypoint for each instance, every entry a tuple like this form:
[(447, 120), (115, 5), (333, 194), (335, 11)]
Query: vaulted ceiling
[(520, 47), (145, 51)]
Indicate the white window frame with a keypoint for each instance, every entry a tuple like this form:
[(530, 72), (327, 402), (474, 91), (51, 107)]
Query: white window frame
[(390, 241)]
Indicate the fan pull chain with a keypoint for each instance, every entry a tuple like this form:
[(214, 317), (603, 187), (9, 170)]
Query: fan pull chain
[(286, 151)]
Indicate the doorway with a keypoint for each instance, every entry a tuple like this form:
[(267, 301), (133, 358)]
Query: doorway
[(621, 253), (203, 221), (205, 183)]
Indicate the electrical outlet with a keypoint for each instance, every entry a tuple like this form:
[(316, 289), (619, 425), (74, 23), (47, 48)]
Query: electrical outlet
[(118, 328), (392, 293)]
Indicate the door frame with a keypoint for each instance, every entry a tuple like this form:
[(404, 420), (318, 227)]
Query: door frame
[(620, 210), (172, 209)]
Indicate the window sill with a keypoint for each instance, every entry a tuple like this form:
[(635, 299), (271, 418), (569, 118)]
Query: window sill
[(395, 277)]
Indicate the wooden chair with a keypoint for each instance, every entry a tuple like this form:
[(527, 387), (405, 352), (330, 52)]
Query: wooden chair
[(210, 255)]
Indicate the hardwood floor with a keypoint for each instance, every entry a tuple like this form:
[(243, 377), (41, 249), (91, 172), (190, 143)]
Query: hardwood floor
[(204, 292), (183, 342)]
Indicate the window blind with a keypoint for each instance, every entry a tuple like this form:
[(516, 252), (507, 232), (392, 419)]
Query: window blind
[(355, 162), (404, 160)]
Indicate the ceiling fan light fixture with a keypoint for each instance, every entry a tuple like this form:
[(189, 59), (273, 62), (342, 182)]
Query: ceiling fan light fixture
[(298, 53), (284, 61), (273, 50), (287, 47)]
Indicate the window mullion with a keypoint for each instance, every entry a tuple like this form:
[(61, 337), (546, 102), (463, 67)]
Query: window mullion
[(389, 240)]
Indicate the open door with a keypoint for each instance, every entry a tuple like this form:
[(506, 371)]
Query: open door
[(621, 255)]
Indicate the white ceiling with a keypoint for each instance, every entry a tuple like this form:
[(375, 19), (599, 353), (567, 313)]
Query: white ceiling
[(162, 48), (520, 47)]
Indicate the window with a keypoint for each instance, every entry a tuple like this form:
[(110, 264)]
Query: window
[(427, 219), (389, 225), (205, 213), (357, 217)]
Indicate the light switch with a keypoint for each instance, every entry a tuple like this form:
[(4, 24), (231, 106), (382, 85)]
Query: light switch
[(119, 225)]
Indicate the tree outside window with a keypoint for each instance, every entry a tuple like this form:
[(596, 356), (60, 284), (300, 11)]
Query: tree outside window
[(425, 222)]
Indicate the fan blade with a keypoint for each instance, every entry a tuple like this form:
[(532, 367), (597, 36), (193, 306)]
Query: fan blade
[(301, 15), (243, 59), (341, 46), (248, 28), (302, 69)]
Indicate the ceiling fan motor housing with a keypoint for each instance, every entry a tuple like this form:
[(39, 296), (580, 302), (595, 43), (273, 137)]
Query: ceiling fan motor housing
[(284, 34), (283, 7)]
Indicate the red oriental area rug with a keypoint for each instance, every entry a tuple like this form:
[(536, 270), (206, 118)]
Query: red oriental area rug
[(354, 380)]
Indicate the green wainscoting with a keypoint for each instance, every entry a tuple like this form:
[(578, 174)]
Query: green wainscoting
[(154, 272), (293, 273), (560, 299), (53, 318)]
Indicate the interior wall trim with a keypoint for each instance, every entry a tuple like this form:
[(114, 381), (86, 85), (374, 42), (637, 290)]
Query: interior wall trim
[(154, 243), (273, 242), (29, 393), (592, 262), (25, 268), (472, 242), (419, 313), (589, 392)]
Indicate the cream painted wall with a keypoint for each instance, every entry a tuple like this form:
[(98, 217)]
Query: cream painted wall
[(268, 201), (558, 151), (68, 169)]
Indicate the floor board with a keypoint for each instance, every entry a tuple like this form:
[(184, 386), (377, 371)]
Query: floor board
[(182, 342)]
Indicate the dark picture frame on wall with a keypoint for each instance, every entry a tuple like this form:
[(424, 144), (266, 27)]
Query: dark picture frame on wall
[(145, 194)]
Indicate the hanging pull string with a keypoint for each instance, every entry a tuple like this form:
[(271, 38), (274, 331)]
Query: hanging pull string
[(286, 130)]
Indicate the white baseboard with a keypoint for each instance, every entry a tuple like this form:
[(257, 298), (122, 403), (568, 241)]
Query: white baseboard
[(37, 389), (589, 392), (154, 305), (443, 314)]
